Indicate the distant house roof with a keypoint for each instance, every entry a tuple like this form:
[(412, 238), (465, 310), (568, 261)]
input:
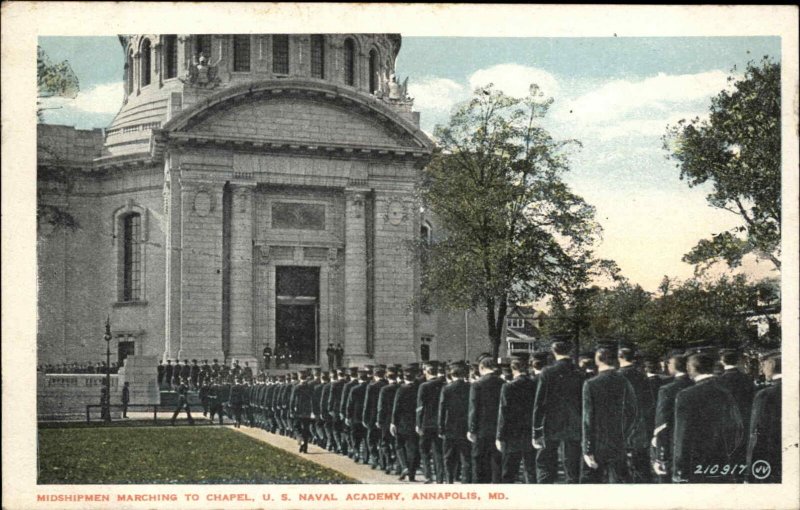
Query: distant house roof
[(525, 311)]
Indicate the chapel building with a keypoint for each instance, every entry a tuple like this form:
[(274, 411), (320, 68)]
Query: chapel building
[(253, 191)]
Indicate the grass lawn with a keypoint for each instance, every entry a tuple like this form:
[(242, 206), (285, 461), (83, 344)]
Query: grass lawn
[(183, 455)]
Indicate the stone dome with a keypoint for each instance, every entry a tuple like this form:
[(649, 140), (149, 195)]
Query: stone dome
[(166, 74)]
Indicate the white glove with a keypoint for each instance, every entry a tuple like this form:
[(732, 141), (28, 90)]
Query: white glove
[(393, 429), (590, 461), (500, 445), (472, 437)]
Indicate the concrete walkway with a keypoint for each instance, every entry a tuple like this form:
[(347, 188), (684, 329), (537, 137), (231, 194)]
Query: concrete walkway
[(341, 463)]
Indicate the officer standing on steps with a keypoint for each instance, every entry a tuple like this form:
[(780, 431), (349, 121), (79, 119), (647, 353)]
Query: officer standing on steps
[(183, 402), (330, 352), (267, 353), (168, 375)]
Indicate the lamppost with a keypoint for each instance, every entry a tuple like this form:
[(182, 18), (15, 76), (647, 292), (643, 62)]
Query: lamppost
[(107, 399)]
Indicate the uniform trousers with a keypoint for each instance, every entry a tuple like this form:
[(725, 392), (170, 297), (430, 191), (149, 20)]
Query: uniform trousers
[(373, 443), (512, 457), (486, 461), (430, 448), (547, 461), (613, 470), (408, 453), (457, 453), (388, 450), (182, 403)]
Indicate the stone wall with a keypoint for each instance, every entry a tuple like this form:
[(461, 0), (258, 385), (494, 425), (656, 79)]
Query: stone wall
[(65, 396), (78, 280)]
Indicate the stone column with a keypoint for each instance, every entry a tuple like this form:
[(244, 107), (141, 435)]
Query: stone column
[(201, 270), (355, 277), (241, 273)]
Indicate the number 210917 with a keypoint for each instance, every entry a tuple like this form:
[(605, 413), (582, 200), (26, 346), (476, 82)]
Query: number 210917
[(717, 469)]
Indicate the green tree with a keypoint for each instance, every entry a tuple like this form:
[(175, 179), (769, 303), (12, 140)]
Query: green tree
[(53, 80), (513, 229), (738, 151)]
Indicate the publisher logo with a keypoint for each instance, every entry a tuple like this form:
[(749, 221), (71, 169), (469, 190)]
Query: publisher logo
[(761, 469)]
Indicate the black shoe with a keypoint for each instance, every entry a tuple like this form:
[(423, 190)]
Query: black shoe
[(428, 481), (412, 479), (403, 475)]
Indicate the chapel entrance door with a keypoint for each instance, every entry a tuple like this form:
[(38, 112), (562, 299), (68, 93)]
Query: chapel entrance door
[(297, 313)]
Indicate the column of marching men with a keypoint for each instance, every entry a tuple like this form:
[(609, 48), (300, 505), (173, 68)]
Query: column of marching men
[(543, 420)]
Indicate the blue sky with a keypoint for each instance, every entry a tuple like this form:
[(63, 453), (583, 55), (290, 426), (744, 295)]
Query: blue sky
[(615, 95)]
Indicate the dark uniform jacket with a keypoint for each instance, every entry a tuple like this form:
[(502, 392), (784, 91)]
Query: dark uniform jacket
[(386, 405), (194, 373), (160, 372), (515, 418), (403, 411), (168, 373), (325, 392), (484, 401), (743, 389), (317, 399), (301, 400), (765, 430), (708, 428), (645, 404), (346, 396), (186, 372), (428, 404), (610, 419), (355, 404), (335, 399), (370, 416), (453, 408), (665, 416), (557, 407)]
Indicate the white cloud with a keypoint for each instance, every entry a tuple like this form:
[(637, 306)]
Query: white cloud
[(642, 98), (436, 94), (105, 98), (515, 80)]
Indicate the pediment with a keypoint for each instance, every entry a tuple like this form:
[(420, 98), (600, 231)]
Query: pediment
[(300, 120)]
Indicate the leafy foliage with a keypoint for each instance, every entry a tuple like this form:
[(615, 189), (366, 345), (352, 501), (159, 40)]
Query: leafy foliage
[(184, 455), (738, 151), (680, 314), (513, 229), (54, 80)]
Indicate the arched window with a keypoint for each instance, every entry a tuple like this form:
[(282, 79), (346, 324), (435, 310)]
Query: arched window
[(170, 56), (131, 258), (145, 63), (241, 53), (202, 44), (129, 73), (349, 62), (373, 71), (280, 54), (425, 233), (318, 56)]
